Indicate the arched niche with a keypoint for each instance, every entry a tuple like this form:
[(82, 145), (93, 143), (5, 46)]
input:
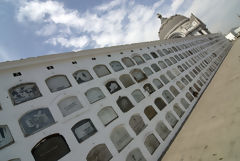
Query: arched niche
[(116, 66), (138, 75), (177, 73), (169, 63), (184, 103), (177, 109), (50, 148), (170, 75), (147, 71), (36, 120), (151, 143), (82, 76), (136, 123), (57, 83), (146, 57), (162, 64), (128, 62), (157, 83), (171, 119), (164, 79), (135, 155), (69, 105), (6, 138), (24, 92), (160, 103), (189, 97), (99, 153), (173, 60), (184, 80), (126, 80), (150, 112), (113, 86), (180, 85), (107, 115), (154, 55), (155, 67), (168, 96), (180, 68), (125, 104), (137, 95), (94, 95), (101, 70), (174, 91), (160, 53), (120, 138), (83, 130), (162, 130), (138, 59), (149, 88)]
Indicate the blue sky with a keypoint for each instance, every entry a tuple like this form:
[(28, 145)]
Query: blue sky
[(32, 28)]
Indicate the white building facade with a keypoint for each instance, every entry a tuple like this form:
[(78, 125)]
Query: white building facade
[(118, 103)]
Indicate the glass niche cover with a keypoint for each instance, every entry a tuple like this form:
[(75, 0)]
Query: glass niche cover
[(24, 92), (35, 121), (5, 136), (83, 130)]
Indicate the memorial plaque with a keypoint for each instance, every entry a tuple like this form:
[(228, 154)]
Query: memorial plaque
[(113, 86), (116, 66), (147, 71), (157, 83), (135, 155), (94, 94), (57, 83), (120, 138), (168, 96), (83, 130), (128, 62), (99, 153), (160, 103), (138, 95), (107, 115), (149, 88), (155, 67), (137, 124), (138, 59), (124, 103), (101, 70), (5, 136), (82, 76), (151, 143), (126, 80), (171, 119), (150, 112), (69, 105), (138, 75), (35, 121), (162, 130), (177, 109), (24, 92)]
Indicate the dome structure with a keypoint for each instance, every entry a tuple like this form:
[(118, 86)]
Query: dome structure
[(178, 26)]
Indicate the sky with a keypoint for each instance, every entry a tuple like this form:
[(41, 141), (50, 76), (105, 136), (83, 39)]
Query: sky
[(30, 28)]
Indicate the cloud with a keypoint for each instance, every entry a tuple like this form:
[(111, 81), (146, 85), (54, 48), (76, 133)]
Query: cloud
[(5, 55), (108, 6), (176, 4)]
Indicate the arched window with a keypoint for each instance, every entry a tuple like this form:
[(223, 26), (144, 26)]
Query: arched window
[(5, 136), (154, 55), (189, 97), (146, 57), (184, 103), (174, 90), (169, 63), (50, 148), (24, 92), (116, 66), (107, 115), (36, 120), (157, 83), (82, 76), (151, 143), (128, 62), (137, 124), (162, 64), (171, 119), (160, 53), (138, 59), (168, 96), (177, 109), (162, 130), (138, 95), (99, 152), (113, 87), (155, 67), (138, 75), (150, 112), (147, 71), (125, 104), (184, 81), (69, 105), (94, 94), (83, 130), (126, 80), (180, 85), (170, 75), (135, 155), (101, 70), (57, 83), (160, 103), (120, 138), (149, 88), (164, 79), (180, 68)]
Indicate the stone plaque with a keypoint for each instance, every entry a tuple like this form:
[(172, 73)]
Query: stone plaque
[(151, 143), (69, 105), (83, 130), (135, 155), (35, 121), (94, 94), (116, 66), (162, 130), (101, 70), (5, 136), (57, 83), (124, 103), (138, 95), (137, 124), (107, 115), (113, 86), (138, 75), (82, 76), (99, 153), (149, 88), (24, 92), (171, 119)]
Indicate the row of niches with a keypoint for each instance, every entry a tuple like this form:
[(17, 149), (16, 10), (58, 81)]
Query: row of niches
[(28, 91)]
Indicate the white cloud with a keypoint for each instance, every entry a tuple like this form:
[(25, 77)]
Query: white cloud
[(176, 4), (75, 42), (5, 55), (108, 6)]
